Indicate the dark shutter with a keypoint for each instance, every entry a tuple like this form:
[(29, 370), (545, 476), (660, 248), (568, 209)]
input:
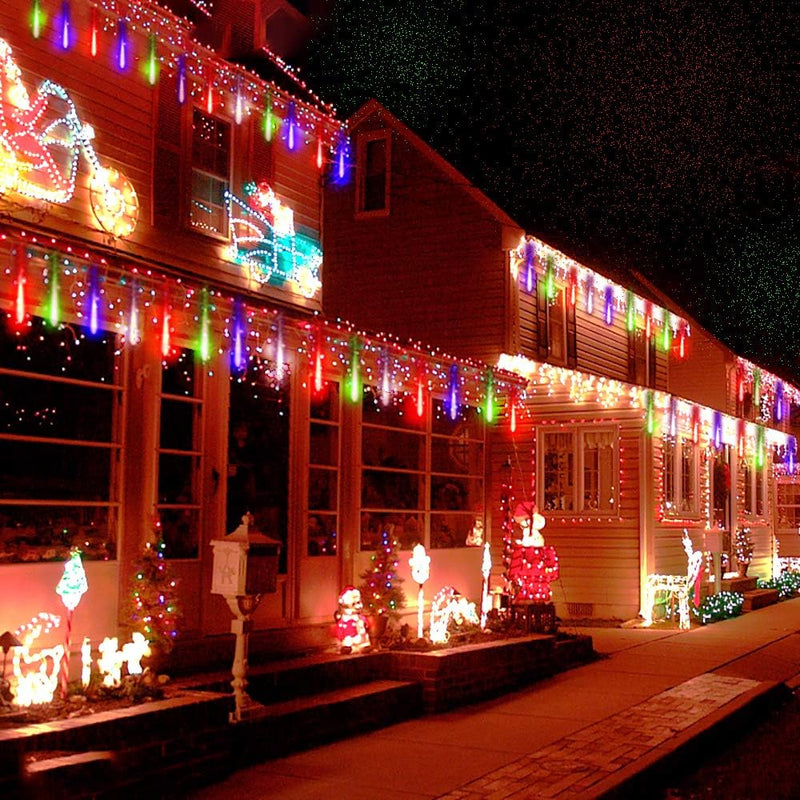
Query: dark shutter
[(632, 356), (542, 328), (262, 162), (167, 177), (651, 378), (572, 336)]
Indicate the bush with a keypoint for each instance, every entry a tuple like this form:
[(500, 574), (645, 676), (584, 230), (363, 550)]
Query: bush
[(719, 606), (787, 584)]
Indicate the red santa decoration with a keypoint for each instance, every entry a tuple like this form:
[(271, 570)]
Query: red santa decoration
[(534, 565), (351, 623)]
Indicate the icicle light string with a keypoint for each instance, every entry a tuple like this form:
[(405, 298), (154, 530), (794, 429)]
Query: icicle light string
[(142, 305)]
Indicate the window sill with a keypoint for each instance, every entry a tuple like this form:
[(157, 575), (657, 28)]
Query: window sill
[(378, 213)]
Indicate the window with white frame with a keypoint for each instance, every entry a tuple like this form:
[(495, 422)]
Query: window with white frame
[(179, 453), (422, 480), (579, 469), (61, 407), (680, 475)]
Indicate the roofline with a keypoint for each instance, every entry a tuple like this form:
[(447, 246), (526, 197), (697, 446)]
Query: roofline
[(373, 106)]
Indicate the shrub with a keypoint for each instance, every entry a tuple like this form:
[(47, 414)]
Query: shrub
[(787, 584), (719, 606)]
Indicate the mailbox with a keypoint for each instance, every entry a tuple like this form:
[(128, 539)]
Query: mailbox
[(714, 540), (245, 562)]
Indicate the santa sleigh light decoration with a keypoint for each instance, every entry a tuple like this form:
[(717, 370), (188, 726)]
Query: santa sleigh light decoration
[(265, 241), (41, 142)]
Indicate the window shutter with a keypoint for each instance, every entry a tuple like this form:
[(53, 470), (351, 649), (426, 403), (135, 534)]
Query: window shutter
[(167, 178), (572, 336), (632, 356), (262, 161), (653, 362), (542, 332)]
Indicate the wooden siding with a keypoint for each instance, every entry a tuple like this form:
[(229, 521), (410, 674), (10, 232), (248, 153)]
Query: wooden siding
[(599, 555), (601, 349), (432, 270), (703, 376), (121, 108)]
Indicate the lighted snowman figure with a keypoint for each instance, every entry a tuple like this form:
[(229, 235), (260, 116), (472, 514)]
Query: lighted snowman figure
[(351, 624), (534, 565)]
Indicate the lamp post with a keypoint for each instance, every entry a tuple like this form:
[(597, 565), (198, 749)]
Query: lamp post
[(245, 568)]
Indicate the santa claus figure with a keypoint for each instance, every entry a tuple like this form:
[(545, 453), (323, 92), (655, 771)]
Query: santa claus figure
[(351, 624), (534, 565)]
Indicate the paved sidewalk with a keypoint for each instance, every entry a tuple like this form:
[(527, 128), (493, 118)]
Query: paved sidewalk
[(578, 734)]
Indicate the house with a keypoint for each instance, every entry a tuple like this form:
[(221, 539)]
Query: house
[(626, 433), (164, 362)]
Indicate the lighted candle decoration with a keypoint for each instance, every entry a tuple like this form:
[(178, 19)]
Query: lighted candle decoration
[(486, 571), (71, 588), (86, 662), (420, 564)]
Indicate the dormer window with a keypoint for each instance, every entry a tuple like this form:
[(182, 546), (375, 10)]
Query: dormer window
[(374, 159)]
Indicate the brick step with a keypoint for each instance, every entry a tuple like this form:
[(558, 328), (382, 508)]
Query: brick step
[(741, 585), (759, 598), (73, 775), (288, 726)]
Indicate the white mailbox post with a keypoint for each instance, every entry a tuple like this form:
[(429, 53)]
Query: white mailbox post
[(245, 569)]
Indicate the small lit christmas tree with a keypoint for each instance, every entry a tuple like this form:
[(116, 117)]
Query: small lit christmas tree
[(154, 603), (744, 549), (380, 591)]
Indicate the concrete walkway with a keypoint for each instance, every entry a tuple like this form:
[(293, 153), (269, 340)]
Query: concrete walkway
[(581, 733)]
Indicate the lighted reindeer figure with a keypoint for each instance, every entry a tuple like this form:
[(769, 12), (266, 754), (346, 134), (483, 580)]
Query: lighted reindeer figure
[(677, 585)]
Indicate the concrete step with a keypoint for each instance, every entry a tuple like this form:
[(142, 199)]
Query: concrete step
[(759, 598), (288, 726)]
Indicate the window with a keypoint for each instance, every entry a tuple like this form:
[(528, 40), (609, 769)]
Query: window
[(60, 452), (211, 156), (788, 505), (754, 485), (556, 327), (323, 473), (258, 453), (179, 452), (422, 480), (642, 358), (374, 155), (679, 457), (578, 470)]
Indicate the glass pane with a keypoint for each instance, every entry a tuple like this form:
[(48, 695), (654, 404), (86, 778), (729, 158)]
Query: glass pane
[(46, 533), (598, 471), (469, 423), (322, 535), (178, 375), (389, 448), (393, 415), (67, 351), (29, 470), (668, 457), (180, 529), (407, 529), (458, 456), (177, 425), (558, 459), (322, 494), (324, 445), (258, 459), (210, 144), (175, 479), (456, 494), (325, 406), (381, 489), (688, 476), (451, 530), (30, 407)]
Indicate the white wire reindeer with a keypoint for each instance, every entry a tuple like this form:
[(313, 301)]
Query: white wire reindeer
[(677, 585)]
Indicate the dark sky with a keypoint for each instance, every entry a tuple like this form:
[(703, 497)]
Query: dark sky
[(657, 136)]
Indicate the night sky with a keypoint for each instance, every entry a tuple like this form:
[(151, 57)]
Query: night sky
[(656, 136)]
